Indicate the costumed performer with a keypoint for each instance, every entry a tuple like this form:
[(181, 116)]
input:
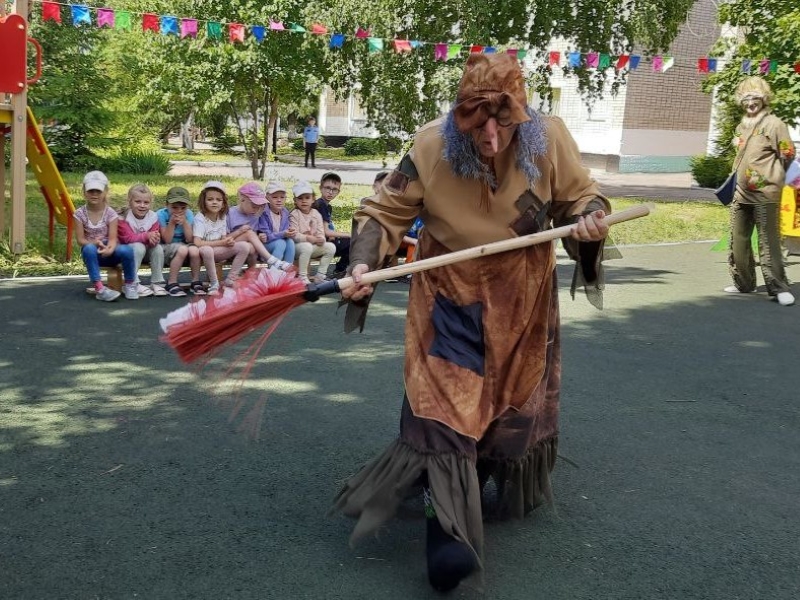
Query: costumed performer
[(764, 151), (482, 364)]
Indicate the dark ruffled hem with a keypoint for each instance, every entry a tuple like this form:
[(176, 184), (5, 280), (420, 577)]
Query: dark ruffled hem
[(374, 494), (521, 484)]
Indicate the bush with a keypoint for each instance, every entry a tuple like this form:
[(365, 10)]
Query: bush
[(710, 171), (137, 162), (224, 143), (364, 147), (297, 143)]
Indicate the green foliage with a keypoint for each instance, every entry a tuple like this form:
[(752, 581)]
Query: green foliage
[(225, 142), (71, 98), (768, 28), (138, 162), (364, 147), (710, 171)]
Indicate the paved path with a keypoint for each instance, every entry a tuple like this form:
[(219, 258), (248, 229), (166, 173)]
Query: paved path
[(666, 186), (120, 477)]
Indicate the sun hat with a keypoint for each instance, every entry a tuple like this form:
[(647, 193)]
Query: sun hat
[(302, 187), (178, 194), (275, 186), (253, 192), (95, 180)]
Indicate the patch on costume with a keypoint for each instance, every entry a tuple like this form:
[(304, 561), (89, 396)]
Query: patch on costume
[(534, 214), (458, 334), (397, 181)]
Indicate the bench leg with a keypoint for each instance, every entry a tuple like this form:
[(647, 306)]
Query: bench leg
[(114, 278)]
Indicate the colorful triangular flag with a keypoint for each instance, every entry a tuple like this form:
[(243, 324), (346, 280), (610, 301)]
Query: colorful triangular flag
[(150, 22), (401, 46), (105, 17), (214, 30), (702, 65), (318, 29), (276, 26), (188, 28), (259, 32), (669, 62), (747, 64), (80, 15), (375, 44), (574, 59), (554, 58), (297, 28), (475, 49), (592, 60), (362, 33), (51, 11), (440, 52), (453, 51), (634, 62), (658, 62), (337, 40), (169, 25), (122, 20), (235, 32), (605, 61), (622, 62)]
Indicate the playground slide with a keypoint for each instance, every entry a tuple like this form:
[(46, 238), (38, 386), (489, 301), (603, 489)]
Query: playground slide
[(59, 202)]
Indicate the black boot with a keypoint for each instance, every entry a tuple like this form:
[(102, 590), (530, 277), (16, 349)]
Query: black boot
[(449, 561)]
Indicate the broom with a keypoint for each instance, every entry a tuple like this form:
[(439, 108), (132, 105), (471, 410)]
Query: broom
[(266, 296)]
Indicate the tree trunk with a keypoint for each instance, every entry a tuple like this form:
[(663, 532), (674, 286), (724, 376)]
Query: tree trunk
[(187, 132), (269, 125)]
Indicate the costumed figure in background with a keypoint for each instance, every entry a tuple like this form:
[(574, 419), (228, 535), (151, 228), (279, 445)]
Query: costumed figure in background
[(482, 365), (765, 149)]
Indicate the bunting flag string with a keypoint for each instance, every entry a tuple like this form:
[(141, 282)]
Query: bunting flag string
[(167, 25)]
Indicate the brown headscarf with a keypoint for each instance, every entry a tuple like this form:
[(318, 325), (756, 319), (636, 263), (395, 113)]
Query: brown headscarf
[(492, 86)]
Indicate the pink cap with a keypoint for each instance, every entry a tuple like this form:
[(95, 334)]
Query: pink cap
[(253, 192)]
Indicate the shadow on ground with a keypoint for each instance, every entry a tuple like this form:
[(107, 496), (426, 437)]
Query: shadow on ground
[(120, 476)]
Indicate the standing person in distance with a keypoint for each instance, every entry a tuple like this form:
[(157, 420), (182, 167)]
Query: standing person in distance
[(310, 141)]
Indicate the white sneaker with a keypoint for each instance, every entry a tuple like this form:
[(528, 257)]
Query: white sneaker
[(143, 290), (130, 291), (158, 289), (107, 295), (732, 289), (213, 289), (785, 298)]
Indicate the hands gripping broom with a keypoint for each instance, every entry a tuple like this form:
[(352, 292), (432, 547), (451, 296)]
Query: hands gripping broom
[(202, 328)]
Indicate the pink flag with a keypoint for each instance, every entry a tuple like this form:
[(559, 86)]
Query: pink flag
[(592, 60), (512, 51), (276, 26), (362, 34), (318, 29), (236, 32), (763, 66), (188, 28), (401, 46), (658, 63), (440, 52), (105, 17)]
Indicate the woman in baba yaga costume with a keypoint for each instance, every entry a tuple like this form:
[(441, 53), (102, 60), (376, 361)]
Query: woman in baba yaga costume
[(482, 366)]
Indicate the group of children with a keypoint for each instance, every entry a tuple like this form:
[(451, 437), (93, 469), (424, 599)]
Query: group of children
[(259, 228)]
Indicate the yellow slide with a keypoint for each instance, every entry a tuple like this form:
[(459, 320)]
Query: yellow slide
[(59, 202)]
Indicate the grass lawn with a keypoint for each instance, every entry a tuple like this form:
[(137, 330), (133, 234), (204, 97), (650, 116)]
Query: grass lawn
[(671, 221)]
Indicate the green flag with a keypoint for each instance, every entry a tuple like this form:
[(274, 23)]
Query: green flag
[(214, 30), (122, 20)]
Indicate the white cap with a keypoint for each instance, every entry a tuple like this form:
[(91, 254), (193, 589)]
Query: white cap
[(215, 185), (275, 186), (302, 187), (95, 180)]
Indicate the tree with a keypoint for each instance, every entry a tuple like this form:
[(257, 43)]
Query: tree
[(400, 92), (71, 98), (766, 29)]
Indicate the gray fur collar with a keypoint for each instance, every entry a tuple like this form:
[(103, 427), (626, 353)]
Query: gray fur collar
[(460, 151)]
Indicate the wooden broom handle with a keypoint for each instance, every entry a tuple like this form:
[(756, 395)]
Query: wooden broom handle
[(635, 212)]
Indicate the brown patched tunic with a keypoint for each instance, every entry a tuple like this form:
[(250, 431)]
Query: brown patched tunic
[(482, 367)]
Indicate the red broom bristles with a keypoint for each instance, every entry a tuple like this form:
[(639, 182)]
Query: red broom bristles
[(204, 327)]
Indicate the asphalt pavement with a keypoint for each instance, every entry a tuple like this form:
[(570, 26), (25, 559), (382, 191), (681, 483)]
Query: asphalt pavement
[(122, 477)]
